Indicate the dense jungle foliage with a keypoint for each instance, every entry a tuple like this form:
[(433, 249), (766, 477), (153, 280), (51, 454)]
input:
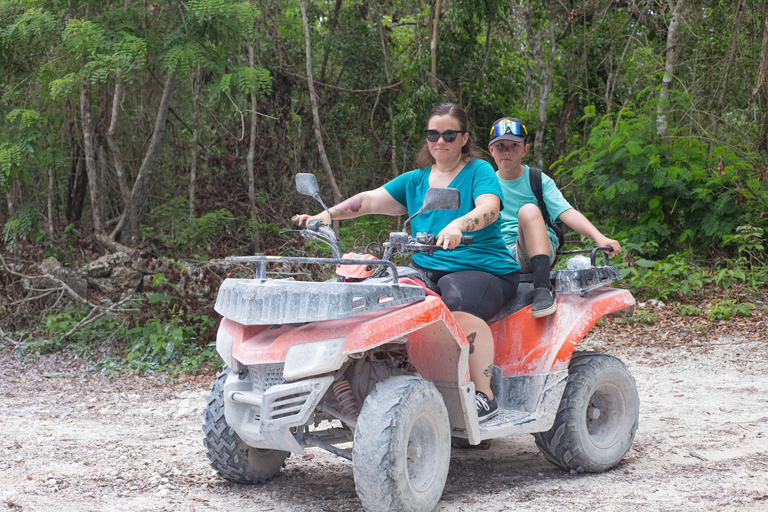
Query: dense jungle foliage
[(180, 125)]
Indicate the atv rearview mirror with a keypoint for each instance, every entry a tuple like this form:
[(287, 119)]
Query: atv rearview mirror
[(437, 198), (441, 199), (306, 184)]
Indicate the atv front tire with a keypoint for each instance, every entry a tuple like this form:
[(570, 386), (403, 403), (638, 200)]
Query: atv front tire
[(402, 446), (229, 455), (597, 417)]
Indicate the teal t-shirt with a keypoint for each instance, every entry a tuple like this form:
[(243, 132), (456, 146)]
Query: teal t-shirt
[(487, 252), (518, 193)]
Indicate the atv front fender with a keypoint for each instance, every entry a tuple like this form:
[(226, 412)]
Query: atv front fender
[(435, 343)]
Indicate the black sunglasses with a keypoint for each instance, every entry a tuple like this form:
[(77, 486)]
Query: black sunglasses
[(448, 135)]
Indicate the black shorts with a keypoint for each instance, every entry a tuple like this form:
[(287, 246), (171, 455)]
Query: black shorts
[(471, 291)]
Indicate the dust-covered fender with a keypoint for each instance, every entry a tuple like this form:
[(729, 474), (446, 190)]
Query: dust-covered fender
[(527, 345), (436, 345)]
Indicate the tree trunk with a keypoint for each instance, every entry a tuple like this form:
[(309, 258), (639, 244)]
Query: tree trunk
[(763, 72), (729, 57), (331, 28), (433, 45), (9, 199), (662, 127), (101, 156), (532, 46), (90, 158), (390, 111), (249, 159), (761, 89), (149, 164), (117, 158), (613, 78), (51, 199), (315, 114), (545, 86), (570, 106), (76, 185), (196, 77)]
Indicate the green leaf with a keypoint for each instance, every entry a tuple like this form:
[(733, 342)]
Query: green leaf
[(160, 297)]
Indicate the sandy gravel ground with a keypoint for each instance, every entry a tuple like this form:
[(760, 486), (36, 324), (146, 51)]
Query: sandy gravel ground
[(75, 441)]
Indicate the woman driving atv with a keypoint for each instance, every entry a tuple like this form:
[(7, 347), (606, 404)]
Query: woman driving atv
[(475, 281)]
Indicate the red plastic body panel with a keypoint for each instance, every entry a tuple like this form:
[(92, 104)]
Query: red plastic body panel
[(527, 345), (436, 345), (435, 342)]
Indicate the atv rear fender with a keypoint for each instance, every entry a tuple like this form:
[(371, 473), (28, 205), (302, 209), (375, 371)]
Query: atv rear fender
[(528, 346)]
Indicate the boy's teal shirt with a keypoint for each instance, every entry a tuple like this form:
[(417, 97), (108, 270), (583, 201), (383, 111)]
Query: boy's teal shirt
[(518, 193)]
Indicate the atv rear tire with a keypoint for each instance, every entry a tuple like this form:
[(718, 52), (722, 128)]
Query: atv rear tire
[(229, 455), (402, 446), (597, 417)]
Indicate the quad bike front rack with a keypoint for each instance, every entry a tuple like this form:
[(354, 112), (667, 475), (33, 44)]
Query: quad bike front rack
[(263, 301)]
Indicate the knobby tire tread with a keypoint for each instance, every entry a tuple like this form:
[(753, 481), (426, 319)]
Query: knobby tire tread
[(224, 448), (374, 459), (557, 444)]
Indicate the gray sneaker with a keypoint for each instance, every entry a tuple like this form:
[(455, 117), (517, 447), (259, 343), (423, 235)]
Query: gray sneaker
[(544, 302), (486, 408)]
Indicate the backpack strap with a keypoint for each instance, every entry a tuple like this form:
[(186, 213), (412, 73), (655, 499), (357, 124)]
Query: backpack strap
[(537, 189)]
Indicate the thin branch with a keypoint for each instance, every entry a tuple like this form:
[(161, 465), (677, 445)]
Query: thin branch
[(376, 89), (8, 338), (91, 317), (27, 299)]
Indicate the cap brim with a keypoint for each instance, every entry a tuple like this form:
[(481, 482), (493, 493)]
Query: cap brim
[(507, 136)]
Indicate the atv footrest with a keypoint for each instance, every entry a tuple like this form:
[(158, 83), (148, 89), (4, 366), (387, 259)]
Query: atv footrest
[(508, 418)]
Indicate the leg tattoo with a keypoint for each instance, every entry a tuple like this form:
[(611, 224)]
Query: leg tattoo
[(471, 340), (487, 372)]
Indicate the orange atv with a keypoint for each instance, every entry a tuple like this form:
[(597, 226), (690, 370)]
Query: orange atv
[(380, 362)]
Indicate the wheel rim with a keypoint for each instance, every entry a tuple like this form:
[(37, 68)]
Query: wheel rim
[(423, 452), (606, 415)]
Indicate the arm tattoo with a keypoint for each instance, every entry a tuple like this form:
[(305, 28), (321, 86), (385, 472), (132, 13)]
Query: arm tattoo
[(466, 223), (352, 204), (469, 223)]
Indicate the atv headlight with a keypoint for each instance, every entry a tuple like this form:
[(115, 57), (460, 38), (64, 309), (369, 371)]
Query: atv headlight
[(313, 358)]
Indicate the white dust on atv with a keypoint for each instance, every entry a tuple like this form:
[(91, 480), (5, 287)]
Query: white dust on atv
[(73, 441)]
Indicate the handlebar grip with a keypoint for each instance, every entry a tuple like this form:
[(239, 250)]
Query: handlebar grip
[(314, 225), (467, 239)]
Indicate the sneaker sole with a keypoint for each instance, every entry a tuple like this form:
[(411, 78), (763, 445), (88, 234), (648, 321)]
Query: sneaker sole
[(489, 416), (545, 312)]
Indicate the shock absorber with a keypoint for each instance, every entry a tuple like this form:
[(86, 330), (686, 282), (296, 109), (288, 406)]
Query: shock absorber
[(347, 403)]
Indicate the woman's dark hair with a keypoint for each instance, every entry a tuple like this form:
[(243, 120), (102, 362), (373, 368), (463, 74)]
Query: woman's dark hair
[(468, 150)]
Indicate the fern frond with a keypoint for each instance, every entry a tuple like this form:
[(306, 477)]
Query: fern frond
[(84, 38), (183, 57), (22, 223), (254, 81)]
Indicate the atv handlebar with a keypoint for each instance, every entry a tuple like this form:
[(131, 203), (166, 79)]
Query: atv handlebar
[(399, 241), (318, 230), (423, 242)]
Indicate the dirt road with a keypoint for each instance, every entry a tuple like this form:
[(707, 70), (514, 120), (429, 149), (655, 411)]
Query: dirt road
[(74, 441)]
